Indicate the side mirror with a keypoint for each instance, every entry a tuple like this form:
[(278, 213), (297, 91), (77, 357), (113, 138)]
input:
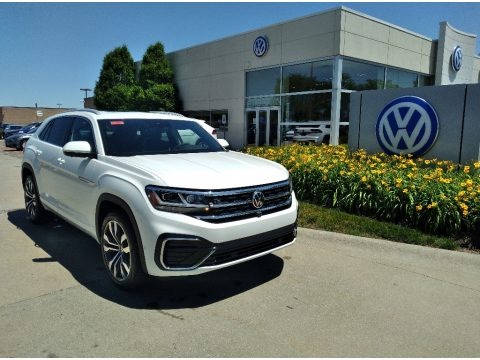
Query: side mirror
[(78, 149), (224, 143)]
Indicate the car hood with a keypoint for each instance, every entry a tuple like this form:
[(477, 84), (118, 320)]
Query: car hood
[(206, 171), (13, 136)]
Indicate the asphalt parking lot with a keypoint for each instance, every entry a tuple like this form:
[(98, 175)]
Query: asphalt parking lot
[(328, 295)]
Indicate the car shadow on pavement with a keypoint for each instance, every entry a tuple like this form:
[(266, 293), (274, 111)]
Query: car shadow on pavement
[(80, 255)]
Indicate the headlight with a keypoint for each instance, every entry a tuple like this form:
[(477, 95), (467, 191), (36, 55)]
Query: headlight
[(178, 201)]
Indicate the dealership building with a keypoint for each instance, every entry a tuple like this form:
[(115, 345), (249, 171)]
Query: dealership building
[(266, 85)]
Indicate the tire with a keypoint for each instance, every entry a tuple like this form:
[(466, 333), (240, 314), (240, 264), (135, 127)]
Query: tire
[(120, 251), (22, 145), (35, 210)]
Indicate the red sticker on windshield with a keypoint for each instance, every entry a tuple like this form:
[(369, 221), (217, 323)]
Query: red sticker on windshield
[(117, 122)]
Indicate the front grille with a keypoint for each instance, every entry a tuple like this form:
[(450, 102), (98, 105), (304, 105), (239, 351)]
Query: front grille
[(236, 204), (243, 248)]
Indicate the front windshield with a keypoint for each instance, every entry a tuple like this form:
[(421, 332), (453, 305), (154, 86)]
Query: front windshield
[(130, 137)]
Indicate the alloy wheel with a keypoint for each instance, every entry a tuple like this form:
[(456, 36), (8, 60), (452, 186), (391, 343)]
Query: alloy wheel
[(31, 200), (116, 250)]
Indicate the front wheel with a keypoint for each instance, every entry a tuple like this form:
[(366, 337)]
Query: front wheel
[(120, 252)]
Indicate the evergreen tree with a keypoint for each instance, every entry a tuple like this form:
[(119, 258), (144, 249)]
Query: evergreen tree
[(155, 68), (113, 88), (156, 79), (117, 88)]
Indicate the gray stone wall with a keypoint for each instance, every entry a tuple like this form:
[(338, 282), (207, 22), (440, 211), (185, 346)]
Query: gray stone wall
[(402, 121)]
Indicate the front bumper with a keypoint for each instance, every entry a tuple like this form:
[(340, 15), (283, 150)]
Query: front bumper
[(178, 245), (178, 252), (10, 142)]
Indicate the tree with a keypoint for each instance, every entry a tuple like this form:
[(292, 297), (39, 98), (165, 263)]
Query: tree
[(156, 79), (113, 88), (155, 67), (118, 89)]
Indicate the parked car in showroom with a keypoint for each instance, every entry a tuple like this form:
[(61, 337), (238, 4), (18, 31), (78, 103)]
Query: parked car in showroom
[(158, 192), (19, 139), (312, 134)]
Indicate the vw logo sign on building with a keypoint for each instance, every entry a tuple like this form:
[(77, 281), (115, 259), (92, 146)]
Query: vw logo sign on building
[(260, 46), (456, 60), (407, 125)]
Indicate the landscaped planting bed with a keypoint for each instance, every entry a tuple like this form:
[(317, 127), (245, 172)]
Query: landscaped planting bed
[(436, 196)]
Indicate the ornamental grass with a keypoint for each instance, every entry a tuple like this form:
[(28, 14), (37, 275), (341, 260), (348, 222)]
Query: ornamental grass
[(436, 196)]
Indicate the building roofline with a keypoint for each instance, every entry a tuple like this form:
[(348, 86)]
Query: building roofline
[(385, 23), (261, 28), (458, 31), (341, 8)]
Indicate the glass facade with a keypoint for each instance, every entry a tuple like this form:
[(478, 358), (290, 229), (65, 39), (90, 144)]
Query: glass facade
[(306, 108), (400, 79), (307, 77), (215, 118), (303, 93), (263, 82), (360, 76)]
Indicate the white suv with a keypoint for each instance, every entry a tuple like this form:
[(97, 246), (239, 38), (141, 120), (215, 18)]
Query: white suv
[(157, 191)]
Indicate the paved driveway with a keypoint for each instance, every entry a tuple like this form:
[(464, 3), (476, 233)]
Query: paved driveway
[(328, 295)]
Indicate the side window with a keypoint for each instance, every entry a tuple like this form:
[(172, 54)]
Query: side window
[(82, 131), (57, 135), (44, 134), (188, 136)]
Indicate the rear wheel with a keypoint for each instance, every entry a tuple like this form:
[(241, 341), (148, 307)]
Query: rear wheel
[(35, 210), (120, 252)]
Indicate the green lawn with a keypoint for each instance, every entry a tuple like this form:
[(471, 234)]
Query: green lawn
[(317, 217)]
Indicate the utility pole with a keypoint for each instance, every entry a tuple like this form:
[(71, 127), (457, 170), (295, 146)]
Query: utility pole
[(86, 94)]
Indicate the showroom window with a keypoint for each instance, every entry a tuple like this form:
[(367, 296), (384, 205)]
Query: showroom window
[(215, 118), (302, 93), (396, 79), (360, 76), (306, 108), (263, 82), (311, 76), (219, 119)]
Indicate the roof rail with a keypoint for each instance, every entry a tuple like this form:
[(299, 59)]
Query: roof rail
[(167, 113), (94, 111)]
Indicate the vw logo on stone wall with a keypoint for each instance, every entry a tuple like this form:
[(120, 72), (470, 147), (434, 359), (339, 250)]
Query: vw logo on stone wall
[(260, 46), (407, 125), (456, 60)]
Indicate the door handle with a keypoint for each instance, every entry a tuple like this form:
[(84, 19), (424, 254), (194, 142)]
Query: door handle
[(61, 161)]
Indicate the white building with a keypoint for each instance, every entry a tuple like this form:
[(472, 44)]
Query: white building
[(258, 86)]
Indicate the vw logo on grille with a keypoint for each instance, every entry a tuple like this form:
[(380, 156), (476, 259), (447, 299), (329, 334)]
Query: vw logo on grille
[(258, 199), (457, 57), (407, 125), (260, 46)]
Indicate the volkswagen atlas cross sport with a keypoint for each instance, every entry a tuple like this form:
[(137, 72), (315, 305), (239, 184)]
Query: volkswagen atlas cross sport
[(157, 191)]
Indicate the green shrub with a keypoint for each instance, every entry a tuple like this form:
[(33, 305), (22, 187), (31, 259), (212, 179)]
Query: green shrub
[(436, 196)]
